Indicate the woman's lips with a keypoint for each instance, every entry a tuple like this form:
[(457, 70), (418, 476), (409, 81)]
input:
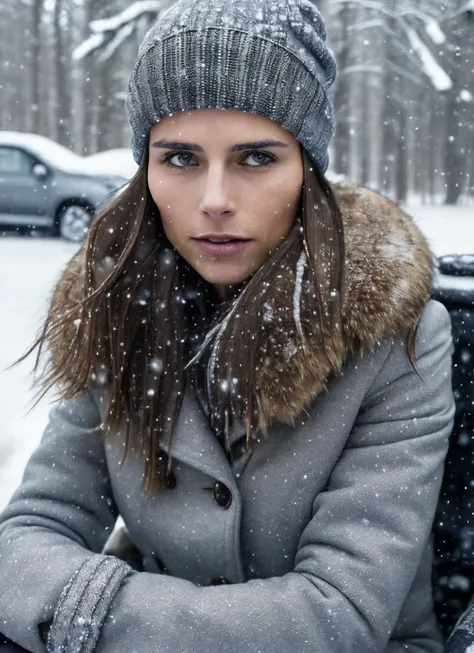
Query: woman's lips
[(221, 249)]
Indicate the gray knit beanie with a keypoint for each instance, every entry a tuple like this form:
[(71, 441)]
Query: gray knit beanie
[(267, 57)]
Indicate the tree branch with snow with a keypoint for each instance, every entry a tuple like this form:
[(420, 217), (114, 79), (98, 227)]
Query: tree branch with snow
[(439, 78), (413, 19), (109, 33)]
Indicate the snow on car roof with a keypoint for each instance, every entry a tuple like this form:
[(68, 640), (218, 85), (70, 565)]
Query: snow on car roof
[(49, 151), (118, 161)]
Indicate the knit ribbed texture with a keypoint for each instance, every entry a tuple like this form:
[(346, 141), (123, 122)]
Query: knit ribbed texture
[(84, 604), (272, 61)]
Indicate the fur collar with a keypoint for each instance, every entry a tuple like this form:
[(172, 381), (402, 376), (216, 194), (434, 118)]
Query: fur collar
[(388, 277)]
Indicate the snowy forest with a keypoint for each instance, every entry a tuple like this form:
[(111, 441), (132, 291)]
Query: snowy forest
[(404, 96)]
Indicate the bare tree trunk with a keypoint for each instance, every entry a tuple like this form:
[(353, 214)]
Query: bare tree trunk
[(432, 146), (402, 151), (459, 113), (421, 145), (92, 88), (37, 9), (77, 82), (399, 97), (109, 135), (7, 52), (364, 140), (341, 97), (62, 77), (389, 120), (454, 161)]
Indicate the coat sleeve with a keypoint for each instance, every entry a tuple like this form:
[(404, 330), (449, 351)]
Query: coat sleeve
[(62, 511), (356, 560)]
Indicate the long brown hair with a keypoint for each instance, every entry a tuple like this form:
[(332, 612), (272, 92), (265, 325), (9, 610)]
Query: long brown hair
[(132, 324)]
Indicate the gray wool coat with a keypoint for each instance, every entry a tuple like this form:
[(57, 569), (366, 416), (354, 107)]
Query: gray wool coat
[(319, 544)]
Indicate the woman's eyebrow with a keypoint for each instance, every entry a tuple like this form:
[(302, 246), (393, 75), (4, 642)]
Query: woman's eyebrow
[(256, 145), (192, 147), (177, 145)]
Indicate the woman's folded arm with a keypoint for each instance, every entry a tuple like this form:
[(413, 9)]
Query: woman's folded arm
[(62, 511)]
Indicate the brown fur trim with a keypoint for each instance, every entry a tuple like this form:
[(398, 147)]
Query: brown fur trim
[(388, 276), (70, 288)]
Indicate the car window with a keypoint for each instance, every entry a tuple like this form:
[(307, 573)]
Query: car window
[(14, 161)]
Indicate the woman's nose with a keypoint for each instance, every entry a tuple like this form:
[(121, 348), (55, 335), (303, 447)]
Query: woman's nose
[(216, 198)]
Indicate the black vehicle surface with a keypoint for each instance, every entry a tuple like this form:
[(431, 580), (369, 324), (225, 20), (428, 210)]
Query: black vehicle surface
[(453, 574)]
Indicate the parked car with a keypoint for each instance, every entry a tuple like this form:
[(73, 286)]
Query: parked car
[(46, 186)]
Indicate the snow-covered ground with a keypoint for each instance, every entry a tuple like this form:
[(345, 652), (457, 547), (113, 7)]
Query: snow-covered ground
[(28, 269)]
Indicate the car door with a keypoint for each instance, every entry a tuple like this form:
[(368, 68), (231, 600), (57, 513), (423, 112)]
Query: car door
[(24, 196)]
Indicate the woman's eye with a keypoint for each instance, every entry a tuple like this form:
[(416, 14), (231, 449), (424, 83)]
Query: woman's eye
[(263, 159), (183, 160), (179, 156)]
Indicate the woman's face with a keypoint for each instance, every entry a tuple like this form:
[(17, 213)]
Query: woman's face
[(224, 176)]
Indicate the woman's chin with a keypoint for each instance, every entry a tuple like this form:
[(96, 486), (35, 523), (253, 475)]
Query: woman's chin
[(223, 278)]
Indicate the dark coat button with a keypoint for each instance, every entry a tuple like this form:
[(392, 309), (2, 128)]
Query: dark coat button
[(220, 580), (222, 495)]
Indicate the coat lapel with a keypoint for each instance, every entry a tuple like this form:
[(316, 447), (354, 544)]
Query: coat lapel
[(194, 443)]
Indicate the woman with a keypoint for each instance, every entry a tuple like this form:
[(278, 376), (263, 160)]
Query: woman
[(252, 376)]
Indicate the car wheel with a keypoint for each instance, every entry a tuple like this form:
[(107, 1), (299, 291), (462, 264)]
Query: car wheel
[(73, 223)]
